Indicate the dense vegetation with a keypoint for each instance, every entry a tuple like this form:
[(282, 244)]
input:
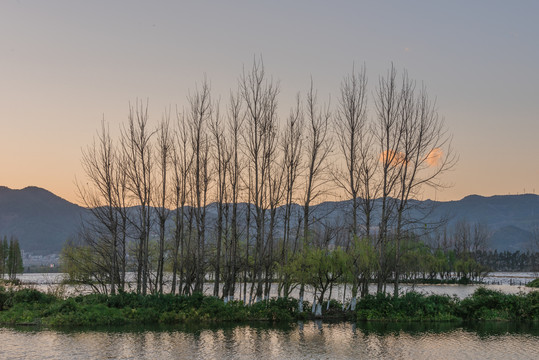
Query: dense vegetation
[(29, 306)]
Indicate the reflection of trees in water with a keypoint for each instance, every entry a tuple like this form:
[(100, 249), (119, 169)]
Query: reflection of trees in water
[(304, 340)]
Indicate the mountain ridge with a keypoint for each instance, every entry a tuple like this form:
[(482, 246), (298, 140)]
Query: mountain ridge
[(43, 221)]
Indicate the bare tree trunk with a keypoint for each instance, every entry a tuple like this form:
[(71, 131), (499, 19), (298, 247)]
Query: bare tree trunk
[(121, 208), (222, 160), (177, 230), (247, 242), (182, 167), (235, 123), (164, 150), (291, 147), (389, 136)]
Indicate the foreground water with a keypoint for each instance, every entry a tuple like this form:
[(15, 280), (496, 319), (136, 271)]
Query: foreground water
[(310, 340)]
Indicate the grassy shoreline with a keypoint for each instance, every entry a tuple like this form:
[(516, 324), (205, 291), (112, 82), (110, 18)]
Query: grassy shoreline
[(31, 307)]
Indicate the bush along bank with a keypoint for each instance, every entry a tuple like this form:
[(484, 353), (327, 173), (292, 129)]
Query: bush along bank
[(31, 307), (482, 305)]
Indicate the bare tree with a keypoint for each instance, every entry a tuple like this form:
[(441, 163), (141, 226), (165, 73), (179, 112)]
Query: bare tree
[(318, 147), (351, 132), (182, 160), (424, 153), (137, 153), (355, 141), (481, 234), (462, 238), (121, 196), (291, 144), (222, 155), (161, 198), (99, 161), (389, 136), (235, 121), (260, 98), (200, 113)]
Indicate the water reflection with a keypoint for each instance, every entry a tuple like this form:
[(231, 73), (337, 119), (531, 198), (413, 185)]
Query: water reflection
[(304, 340)]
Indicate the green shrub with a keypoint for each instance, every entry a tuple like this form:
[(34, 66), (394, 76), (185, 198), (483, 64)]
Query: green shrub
[(494, 305), (333, 305), (278, 310), (23, 296), (172, 317), (411, 306)]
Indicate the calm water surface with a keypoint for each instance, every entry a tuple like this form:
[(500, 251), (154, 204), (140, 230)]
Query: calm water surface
[(311, 340), (509, 283)]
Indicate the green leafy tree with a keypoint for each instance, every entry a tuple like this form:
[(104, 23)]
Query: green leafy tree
[(14, 258), (362, 262), (295, 271), (324, 268), (4, 251)]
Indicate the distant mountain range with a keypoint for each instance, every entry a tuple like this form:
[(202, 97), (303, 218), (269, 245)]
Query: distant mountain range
[(43, 221)]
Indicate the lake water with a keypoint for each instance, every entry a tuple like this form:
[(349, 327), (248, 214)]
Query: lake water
[(509, 283), (310, 340)]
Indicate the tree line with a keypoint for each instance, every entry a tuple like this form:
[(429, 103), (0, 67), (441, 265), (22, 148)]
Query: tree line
[(10, 258), (259, 177), (510, 260)]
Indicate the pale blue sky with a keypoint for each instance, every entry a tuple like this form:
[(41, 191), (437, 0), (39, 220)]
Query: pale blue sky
[(65, 64)]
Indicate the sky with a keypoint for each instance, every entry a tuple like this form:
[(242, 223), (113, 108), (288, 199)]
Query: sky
[(66, 65)]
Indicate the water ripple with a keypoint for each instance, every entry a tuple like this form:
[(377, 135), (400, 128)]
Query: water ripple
[(310, 340)]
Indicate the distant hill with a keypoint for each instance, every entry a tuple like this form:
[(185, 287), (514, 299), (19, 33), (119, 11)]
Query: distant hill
[(40, 220), (521, 211), (510, 218), (43, 221)]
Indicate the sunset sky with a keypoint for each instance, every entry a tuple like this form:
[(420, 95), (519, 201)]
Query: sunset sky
[(65, 65)]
